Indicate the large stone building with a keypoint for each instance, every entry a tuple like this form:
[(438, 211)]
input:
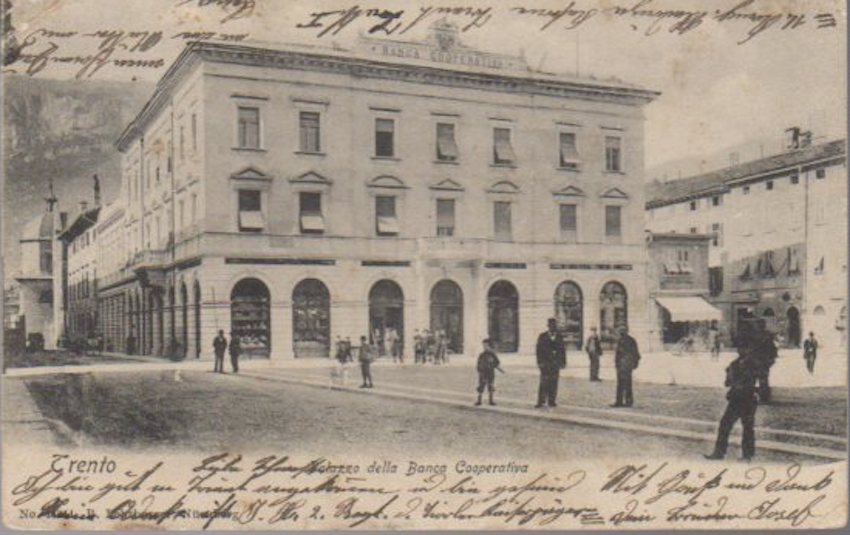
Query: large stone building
[(291, 195), (779, 235)]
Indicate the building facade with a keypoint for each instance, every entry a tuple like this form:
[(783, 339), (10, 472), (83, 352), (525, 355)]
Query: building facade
[(779, 234), (80, 244), (290, 196)]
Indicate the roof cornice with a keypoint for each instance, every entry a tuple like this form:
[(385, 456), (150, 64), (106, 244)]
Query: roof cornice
[(507, 82)]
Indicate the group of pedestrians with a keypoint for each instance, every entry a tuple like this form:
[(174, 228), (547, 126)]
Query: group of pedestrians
[(430, 347), (221, 345)]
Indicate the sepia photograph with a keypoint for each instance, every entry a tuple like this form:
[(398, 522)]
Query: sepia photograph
[(303, 265)]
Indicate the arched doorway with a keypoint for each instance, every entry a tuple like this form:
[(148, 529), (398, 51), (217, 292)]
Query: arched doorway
[(613, 312), (503, 317), (447, 313), (250, 317), (793, 334), (386, 310), (197, 301), (568, 313), (184, 319), (311, 319)]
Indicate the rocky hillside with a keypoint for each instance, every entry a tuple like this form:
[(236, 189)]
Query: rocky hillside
[(62, 130)]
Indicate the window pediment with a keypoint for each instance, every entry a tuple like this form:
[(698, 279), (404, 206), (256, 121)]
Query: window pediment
[(250, 173), (503, 186), (311, 177), (569, 191), (387, 181), (615, 193), (447, 185)]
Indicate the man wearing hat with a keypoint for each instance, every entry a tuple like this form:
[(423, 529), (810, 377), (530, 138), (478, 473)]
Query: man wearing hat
[(551, 359), (594, 351)]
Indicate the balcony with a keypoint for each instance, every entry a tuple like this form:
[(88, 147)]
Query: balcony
[(149, 266)]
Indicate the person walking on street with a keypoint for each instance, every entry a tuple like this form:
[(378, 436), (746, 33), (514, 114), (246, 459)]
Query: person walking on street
[(810, 352), (487, 365), (219, 347), (626, 360), (551, 359), (366, 356), (594, 352), (235, 350), (391, 341), (742, 404)]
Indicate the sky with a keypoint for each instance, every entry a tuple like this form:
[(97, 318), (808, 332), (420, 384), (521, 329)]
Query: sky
[(717, 95)]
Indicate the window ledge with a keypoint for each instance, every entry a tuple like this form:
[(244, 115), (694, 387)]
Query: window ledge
[(447, 162), (310, 153), (504, 165), (386, 158), (248, 149), (607, 172), (569, 169)]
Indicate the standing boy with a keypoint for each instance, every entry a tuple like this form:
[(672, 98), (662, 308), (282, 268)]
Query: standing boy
[(487, 365), (235, 351), (219, 346), (594, 352), (365, 356)]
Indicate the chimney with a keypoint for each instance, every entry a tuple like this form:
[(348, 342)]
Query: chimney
[(96, 190), (84, 206)]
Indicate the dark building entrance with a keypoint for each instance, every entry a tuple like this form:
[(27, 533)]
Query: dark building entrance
[(447, 313), (386, 310), (503, 317), (311, 319), (792, 316), (613, 312), (250, 317), (568, 313)]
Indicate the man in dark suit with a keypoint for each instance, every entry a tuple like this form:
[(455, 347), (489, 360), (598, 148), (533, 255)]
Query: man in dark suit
[(626, 359), (741, 379), (764, 354), (551, 359), (594, 351), (219, 346)]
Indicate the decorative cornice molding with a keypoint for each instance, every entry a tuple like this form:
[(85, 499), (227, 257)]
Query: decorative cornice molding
[(447, 185), (387, 181)]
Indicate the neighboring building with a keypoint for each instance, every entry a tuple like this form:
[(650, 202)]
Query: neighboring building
[(289, 195), (779, 227), (80, 242), (678, 285), (111, 258), (38, 250)]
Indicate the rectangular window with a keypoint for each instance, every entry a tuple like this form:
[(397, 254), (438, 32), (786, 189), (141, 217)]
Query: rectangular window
[(309, 126), (386, 220), (568, 222), (503, 152), (716, 200), (693, 206), (384, 138), (769, 185), (446, 145), (745, 190), (717, 234), (182, 143), (612, 154), (613, 222), (310, 213), (250, 211), (569, 158), (445, 217), (194, 132), (249, 128), (715, 281), (795, 178), (502, 227), (820, 173)]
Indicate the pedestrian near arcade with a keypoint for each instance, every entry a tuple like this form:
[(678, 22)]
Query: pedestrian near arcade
[(366, 355), (487, 365), (626, 360), (810, 352), (219, 347), (235, 348), (742, 404), (593, 347), (551, 359)]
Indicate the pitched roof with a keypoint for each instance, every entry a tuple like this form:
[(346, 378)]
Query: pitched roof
[(719, 181)]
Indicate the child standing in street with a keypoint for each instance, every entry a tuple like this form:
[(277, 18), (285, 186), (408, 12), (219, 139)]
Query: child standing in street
[(366, 356), (487, 365)]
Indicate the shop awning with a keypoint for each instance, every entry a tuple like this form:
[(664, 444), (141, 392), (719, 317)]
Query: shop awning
[(689, 308)]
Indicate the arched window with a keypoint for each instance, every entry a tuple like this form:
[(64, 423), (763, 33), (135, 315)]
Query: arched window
[(311, 319), (613, 312), (447, 313), (503, 316), (819, 311), (250, 317), (568, 312)]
